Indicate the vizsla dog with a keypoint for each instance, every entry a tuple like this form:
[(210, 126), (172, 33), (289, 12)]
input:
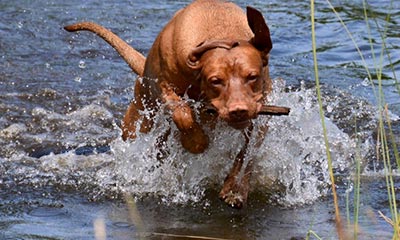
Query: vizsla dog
[(212, 52)]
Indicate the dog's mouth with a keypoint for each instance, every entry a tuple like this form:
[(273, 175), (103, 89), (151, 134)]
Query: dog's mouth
[(209, 109), (239, 124)]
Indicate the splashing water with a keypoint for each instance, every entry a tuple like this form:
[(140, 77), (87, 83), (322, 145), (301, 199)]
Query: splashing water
[(291, 165), (291, 162)]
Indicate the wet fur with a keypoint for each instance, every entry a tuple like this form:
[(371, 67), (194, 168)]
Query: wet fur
[(215, 53)]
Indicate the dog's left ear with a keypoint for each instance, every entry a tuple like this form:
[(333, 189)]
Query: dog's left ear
[(262, 39), (193, 60)]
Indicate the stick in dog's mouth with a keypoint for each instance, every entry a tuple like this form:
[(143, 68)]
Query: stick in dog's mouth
[(265, 110), (274, 110)]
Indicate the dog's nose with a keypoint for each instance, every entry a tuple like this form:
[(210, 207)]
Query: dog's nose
[(239, 113)]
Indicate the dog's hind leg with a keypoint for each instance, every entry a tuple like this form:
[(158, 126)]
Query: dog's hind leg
[(131, 118)]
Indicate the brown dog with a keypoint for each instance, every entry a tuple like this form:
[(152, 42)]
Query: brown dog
[(215, 54)]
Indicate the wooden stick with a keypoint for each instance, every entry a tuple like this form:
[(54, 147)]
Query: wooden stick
[(265, 110), (274, 110)]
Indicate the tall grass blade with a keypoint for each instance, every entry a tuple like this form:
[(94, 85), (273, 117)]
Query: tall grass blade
[(339, 227), (382, 140), (357, 192), (134, 215), (385, 48), (312, 233), (389, 178), (99, 229), (384, 117), (356, 46), (397, 85)]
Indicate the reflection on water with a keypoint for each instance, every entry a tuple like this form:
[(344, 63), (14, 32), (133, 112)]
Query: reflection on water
[(63, 165)]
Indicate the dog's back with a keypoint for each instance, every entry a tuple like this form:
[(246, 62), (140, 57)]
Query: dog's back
[(200, 21), (209, 19)]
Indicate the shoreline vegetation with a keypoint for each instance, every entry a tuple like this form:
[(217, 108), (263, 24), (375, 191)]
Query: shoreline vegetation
[(386, 143)]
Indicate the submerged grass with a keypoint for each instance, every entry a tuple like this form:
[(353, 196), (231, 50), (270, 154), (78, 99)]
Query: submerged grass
[(385, 140)]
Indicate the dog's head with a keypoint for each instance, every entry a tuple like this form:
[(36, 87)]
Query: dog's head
[(233, 73)]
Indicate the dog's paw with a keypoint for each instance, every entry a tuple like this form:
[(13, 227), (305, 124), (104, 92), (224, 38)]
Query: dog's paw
[(183, 117), (194, 140), (234, 193), (233, 199)]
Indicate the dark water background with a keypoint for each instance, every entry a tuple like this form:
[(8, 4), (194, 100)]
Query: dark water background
[(62, 95)]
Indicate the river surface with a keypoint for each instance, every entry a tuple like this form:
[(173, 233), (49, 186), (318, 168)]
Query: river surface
[(64, 171)]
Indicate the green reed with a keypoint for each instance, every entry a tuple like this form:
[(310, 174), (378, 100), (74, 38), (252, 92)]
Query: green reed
[(322, 116), (386, 139)]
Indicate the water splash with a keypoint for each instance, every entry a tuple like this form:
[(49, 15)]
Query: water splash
[(291, 163), (295, 150)]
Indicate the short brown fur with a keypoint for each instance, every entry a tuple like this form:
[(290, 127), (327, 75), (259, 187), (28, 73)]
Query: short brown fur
[(215, 53)]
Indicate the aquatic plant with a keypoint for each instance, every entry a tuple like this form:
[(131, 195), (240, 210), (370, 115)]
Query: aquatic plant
[(385, 138)]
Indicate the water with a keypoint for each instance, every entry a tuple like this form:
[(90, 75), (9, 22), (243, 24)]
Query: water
[(64, 167)]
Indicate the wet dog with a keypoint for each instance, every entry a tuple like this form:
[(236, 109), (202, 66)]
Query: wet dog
[(214, 53)]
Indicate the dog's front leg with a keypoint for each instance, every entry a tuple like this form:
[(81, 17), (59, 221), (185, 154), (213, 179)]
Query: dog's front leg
[(235, 189), (193, 137), (237, 183)]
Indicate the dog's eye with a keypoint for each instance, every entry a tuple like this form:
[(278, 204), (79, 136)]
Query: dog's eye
[(252, 77), (215, 81)]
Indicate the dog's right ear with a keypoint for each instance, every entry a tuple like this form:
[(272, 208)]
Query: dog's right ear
[(262, 38), (193, 60)]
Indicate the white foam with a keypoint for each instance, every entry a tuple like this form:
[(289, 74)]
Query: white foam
[(12, 131)]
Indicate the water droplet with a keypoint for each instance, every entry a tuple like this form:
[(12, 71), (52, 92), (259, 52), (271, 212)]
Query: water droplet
[(365, 82), (82, 64)]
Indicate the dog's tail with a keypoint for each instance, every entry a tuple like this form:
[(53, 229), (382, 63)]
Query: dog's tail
[(135, 59)]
